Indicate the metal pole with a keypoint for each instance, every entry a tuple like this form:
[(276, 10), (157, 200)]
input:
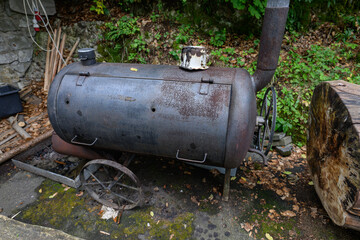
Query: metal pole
[(226, 189)]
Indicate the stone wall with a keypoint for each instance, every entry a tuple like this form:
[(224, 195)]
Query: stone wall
[(16, 46)]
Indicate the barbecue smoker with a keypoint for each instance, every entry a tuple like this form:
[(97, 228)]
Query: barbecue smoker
[(200, 116)]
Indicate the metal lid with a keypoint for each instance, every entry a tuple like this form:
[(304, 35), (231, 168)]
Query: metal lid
[(87, 56)]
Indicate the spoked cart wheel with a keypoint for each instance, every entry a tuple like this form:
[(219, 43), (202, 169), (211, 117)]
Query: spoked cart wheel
[(266, 122), (111, 184)]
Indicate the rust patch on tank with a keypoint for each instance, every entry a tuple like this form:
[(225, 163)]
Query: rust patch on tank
[(185, 98)]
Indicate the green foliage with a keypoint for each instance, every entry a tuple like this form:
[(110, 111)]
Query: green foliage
[(99, 7), (123, 41), (218, 38), (256, 8), (124, 27), (185, 33)]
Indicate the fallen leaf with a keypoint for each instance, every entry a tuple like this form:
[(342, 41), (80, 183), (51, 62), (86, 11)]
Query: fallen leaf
[(296, 208), (152, 213), (211, 197), (187, 172), (248, 227), (287, 172), (105, 233), (52, 196), (194, 200), (67, 188), (233, 178), (40, 190), (80, 194), (288, 213), (268, 236), (134, 69), (311, 183), (156, 189), (171, 236), (313, 212)]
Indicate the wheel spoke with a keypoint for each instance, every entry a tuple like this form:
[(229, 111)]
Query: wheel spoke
[(117, 177), (127, 186), (95, 178), (122, 197)]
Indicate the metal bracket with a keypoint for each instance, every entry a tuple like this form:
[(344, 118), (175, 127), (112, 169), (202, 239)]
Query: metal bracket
[(190, 160), (81, 143), (204, 86), (81, 79)]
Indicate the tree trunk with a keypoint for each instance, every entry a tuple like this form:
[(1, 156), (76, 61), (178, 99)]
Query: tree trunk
[(333, 150)]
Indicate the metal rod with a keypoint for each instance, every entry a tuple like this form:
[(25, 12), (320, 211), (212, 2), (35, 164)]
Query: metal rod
[(226, 190)]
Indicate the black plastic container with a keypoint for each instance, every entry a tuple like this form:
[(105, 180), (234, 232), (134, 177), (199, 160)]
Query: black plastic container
[(10, 102)]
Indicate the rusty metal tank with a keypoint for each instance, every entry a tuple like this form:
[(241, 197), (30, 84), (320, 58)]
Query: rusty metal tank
[(197, 116)]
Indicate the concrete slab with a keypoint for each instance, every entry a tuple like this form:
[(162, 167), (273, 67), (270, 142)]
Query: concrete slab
[(11, 229), (18, 192)]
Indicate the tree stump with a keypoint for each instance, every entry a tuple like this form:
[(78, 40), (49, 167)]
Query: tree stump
[(333, 150)]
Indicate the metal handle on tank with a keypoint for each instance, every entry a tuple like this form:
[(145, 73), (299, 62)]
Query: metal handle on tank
[(190, 160), (85, 144)]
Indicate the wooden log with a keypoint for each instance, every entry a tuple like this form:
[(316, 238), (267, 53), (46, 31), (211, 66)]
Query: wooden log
[(6, 156), (19, 130), (21, 121), (333, 150)]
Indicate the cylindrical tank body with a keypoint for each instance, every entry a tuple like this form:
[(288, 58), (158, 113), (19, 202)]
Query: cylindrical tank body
[(200, 116)]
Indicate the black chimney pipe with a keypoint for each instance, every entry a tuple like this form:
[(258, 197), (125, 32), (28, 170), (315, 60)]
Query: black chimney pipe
[(270, 42)]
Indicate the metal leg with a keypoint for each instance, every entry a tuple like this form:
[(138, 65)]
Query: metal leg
[(226, 189)]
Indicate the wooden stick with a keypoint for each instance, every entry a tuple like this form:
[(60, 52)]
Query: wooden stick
[(8, 139), (71, 52), (56, 55), (15, 126), (47, 63), (6, 156), (52, 59), (62, 45)]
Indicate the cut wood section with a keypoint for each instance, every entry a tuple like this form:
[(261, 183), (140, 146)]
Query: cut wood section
[(13, 122), (333, 150)]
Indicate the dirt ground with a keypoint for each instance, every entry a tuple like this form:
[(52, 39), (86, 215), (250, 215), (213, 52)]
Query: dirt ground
[(182, 202)]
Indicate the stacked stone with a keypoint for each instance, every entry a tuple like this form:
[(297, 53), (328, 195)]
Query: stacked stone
[(282, 144), (16, 46)]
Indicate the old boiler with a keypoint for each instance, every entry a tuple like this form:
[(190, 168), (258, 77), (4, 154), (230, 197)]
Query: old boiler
[(201, 116)]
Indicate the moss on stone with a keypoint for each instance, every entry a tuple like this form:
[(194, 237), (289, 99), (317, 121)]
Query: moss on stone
[(50, 207)]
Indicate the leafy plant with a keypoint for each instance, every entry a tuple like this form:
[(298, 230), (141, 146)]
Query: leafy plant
[(124, 27), (99, 7), (256, 8), (218, 38)]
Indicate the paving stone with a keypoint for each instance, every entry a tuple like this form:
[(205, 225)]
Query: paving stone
[(283, 142), (284, 151), (278, 136)]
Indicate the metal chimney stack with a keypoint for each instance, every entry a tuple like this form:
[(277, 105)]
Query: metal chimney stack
[(270, 42)]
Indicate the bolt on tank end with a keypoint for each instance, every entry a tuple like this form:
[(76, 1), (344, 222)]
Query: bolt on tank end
[(194, 58)]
